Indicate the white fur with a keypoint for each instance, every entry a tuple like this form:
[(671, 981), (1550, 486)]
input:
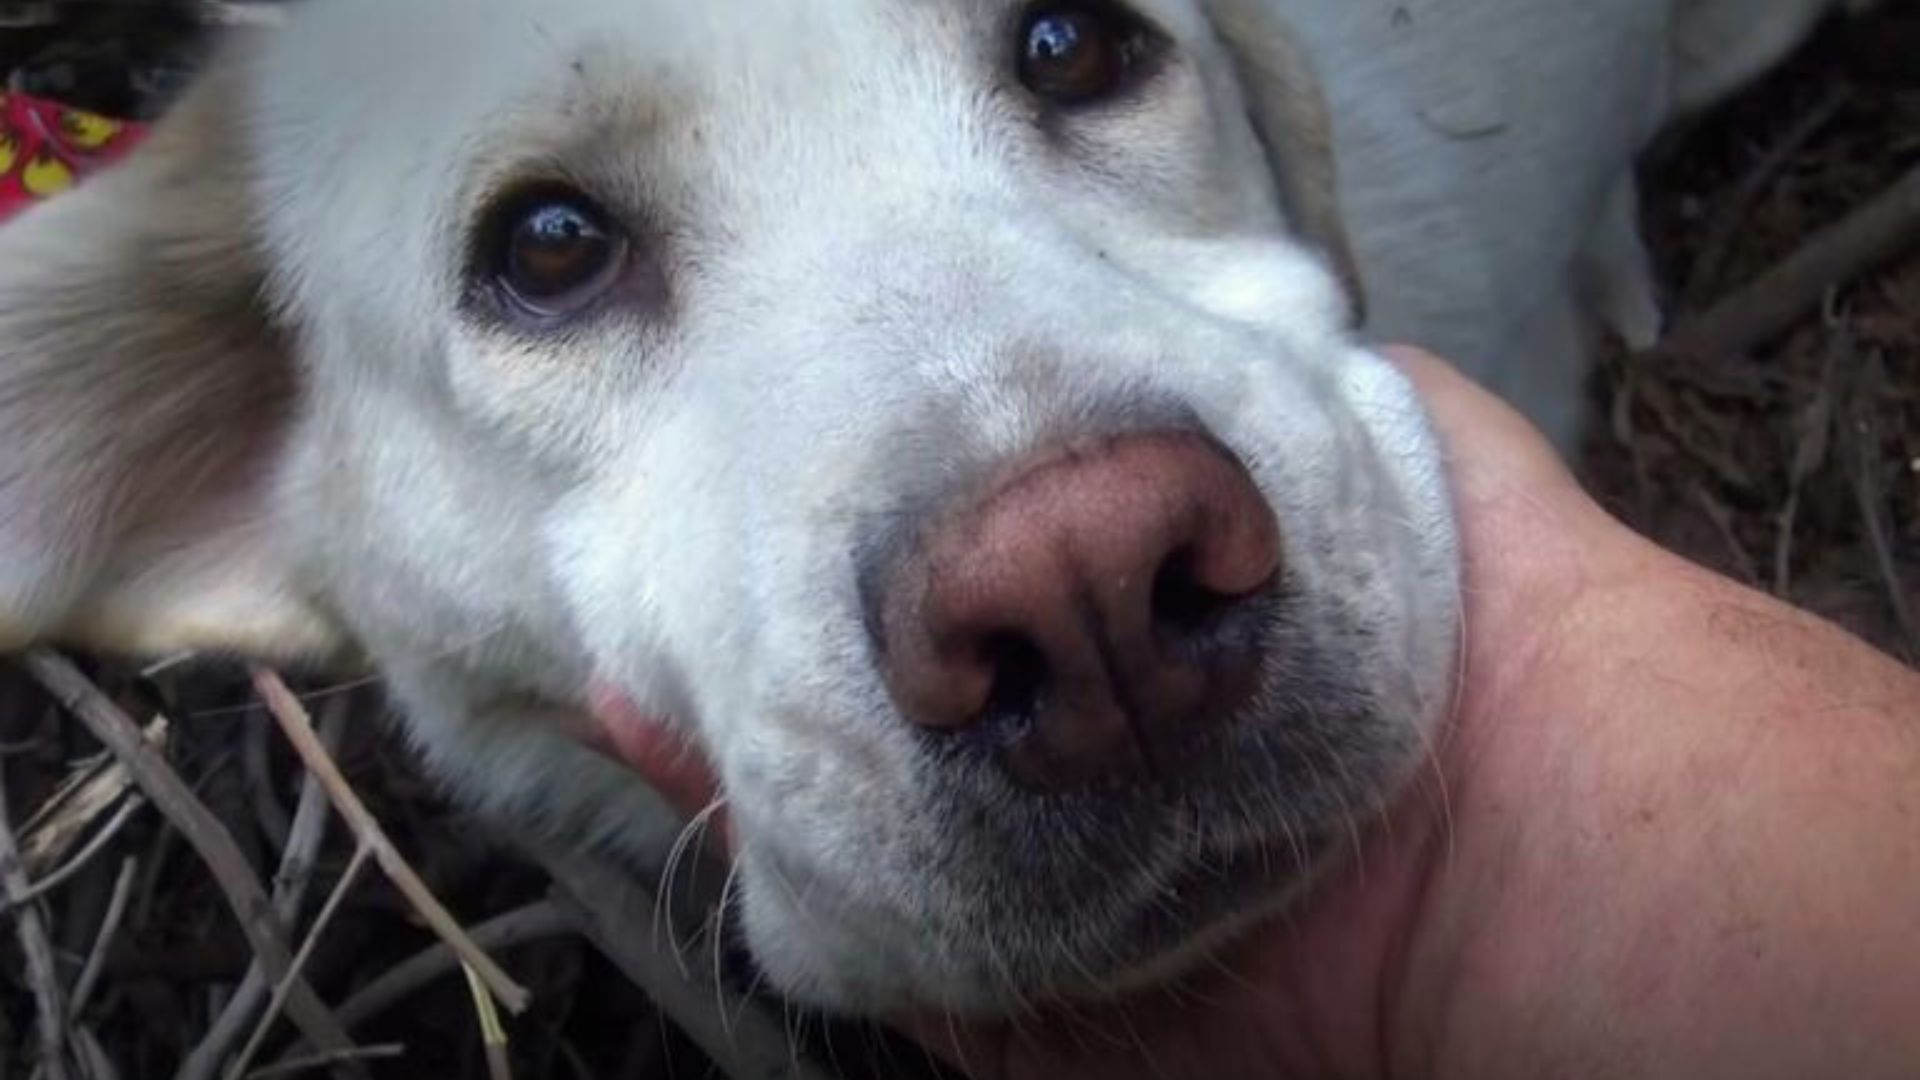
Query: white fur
[(884, 276)]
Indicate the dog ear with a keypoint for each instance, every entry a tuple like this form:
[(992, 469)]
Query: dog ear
[(1290, 116), (145, 397)]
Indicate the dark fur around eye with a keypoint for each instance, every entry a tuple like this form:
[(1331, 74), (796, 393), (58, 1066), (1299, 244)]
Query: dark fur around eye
[(546, 254)]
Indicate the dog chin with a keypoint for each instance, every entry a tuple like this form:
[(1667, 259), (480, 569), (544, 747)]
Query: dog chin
[(1223, 900)]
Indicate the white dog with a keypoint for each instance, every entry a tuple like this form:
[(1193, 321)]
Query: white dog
[(950, 414)]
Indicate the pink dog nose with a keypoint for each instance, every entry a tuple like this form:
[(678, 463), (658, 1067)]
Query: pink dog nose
[(1091, 616)]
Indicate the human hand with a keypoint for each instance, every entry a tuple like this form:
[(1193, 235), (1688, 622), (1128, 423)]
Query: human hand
[(1670, 830), (1672, 834)]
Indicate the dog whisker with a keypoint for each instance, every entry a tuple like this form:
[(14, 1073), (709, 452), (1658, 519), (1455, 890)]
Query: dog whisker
[(684, 846)]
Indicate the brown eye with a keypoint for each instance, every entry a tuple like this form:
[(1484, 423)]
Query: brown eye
[(1074, 54), (557, 252)]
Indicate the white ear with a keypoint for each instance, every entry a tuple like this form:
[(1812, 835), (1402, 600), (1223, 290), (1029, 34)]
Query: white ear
[(144, 397), (1289, 114)]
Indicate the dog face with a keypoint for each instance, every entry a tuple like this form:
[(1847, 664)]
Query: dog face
[(942, 413)]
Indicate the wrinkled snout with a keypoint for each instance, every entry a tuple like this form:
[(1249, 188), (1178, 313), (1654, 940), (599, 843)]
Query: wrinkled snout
[(1091, 614)]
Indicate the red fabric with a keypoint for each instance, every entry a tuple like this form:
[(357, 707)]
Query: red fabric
[(46, 147)]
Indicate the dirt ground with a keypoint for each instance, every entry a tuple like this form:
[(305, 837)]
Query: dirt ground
[(1793, 464)]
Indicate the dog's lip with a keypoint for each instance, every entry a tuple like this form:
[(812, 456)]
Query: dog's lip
[(652, 746), (1220, 892)]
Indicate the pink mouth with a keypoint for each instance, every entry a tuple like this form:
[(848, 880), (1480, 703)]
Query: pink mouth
[(654, 748)]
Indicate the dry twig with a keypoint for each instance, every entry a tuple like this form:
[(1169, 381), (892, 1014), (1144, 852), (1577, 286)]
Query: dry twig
[(291, 1066), (1775, 301), (92, 1057), (292, 715), (51, 1015), (79, 862), (493, 1035), (88, 791), (303, 839), (1862, 439), (1815, 424), (535, 922), (254, 759), (340, 890), (208, 836), (103, 940), (750, 1043), (1722, 520), (1710, 268)]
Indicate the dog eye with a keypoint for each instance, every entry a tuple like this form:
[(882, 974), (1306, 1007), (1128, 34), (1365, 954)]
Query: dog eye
[(556, 252), (1072, 54)]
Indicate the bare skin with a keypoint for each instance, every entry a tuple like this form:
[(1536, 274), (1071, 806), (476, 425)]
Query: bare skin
[(1679, 836)]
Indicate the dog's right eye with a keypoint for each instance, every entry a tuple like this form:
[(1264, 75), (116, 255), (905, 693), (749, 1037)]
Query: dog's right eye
[(553, 252), (1075, 53)]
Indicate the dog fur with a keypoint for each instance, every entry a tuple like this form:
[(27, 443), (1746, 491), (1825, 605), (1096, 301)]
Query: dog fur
[(246, 405)]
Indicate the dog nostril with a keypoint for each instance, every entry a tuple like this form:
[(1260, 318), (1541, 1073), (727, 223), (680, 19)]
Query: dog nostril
[(1095, 614), (1019, 681), (1181, 603)]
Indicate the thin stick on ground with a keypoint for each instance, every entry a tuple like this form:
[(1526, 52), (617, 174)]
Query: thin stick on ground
[(1710, 268), (1869, 499), (752, 1043), (309, 828), (91, 1056), (50, 1020), (210, 839), (1774, 302), (79, 862), (89, 791), (297, 858), (292, 716), (340, 890), (255, 758), (493, 1036), (537, 921), (1869, 502), (1815, 424), (293, 1066), (103, 941)]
